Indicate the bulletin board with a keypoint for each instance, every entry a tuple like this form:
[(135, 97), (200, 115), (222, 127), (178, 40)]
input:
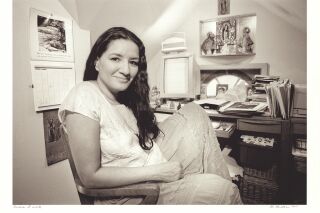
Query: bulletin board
[(51, 82)]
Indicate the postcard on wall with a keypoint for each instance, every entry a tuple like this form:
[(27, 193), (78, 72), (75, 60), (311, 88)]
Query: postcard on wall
[(50, 37), (232, 35), (56, 149)]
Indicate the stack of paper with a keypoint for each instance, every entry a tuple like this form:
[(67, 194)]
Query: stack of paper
[(211, 103), (259, 141), (279, 97), (223, 129)]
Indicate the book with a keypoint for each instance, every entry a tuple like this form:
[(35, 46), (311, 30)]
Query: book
[(211, 103), (244, 108)]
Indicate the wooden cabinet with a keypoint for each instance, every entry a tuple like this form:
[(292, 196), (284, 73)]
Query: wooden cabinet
[(282, 130), (298, 180)]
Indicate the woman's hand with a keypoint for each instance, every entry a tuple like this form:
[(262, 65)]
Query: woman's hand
[(169, 171)]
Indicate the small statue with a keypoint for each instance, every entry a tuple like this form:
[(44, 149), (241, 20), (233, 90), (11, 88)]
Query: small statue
[(245, 42), (155, 97), (209, 43)]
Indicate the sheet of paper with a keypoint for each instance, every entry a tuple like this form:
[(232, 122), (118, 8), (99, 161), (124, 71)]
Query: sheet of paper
[(51, 83)]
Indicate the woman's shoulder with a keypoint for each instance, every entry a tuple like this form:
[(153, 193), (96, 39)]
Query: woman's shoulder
[(85, 88), (85, 85), (83, 98)]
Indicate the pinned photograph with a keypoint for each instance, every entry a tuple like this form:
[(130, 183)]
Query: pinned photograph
[(55, 146), (50, 37)]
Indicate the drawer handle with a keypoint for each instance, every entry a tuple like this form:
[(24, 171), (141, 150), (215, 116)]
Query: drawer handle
[(260, 123)]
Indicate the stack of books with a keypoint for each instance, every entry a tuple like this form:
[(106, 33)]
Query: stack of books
[(279, 98), (259, 83)]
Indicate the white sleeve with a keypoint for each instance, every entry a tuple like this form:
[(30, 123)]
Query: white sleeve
[(81, 99)]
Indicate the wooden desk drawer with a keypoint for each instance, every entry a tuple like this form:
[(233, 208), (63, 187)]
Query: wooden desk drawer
[(264, 126), (299, 128)]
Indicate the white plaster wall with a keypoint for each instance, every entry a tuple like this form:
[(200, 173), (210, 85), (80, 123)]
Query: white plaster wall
[(33, 181)]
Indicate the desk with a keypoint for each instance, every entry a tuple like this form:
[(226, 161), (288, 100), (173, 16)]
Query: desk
[(268, 125)]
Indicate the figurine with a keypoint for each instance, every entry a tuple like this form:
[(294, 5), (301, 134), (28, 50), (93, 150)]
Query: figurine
[(209, 43), (245, 42)]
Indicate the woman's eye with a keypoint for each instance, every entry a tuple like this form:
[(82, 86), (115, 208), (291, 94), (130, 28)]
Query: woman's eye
[(115, 59), (135, 63)]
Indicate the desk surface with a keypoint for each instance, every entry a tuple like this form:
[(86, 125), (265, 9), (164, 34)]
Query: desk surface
[(216, 114)]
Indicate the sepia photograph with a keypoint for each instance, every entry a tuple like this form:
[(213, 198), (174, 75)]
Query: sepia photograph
[(115, 103), (51, 35)]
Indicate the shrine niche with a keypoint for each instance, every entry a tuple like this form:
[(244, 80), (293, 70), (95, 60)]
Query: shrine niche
[(233, 35)]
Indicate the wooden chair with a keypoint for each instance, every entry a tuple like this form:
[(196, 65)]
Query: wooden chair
[(149, 191)]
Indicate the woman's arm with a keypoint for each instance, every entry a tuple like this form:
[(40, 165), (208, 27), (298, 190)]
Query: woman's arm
[(84, 140)]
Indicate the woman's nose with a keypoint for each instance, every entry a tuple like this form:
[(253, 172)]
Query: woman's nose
[(125, 67)]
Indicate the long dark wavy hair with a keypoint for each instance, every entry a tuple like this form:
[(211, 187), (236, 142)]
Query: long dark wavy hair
[(136, 96)]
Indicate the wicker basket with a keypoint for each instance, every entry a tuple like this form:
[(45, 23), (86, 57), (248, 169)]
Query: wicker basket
[(300, 164), (258, 191), (269, 173)]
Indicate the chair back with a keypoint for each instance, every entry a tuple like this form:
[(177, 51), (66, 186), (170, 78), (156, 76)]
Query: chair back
[(149, 191)]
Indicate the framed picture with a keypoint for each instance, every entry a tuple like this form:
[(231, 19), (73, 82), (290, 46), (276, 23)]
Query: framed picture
[(223, 7), (50, 37), (221, 89), (232, 35)]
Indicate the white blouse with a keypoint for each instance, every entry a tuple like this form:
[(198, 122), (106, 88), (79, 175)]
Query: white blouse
[(118, 127)]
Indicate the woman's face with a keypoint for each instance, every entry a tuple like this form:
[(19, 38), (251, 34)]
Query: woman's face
[(118, 65)]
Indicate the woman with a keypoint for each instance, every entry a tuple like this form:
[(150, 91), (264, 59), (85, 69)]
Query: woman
[(112, 130)]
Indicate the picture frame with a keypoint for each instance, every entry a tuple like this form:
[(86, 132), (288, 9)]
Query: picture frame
[(223, 7), (50, 37), (221, 89), (228, 35)]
